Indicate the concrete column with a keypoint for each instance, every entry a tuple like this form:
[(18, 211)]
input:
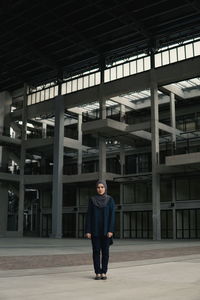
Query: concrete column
[(58, 168), (102, 157), (3, 209), (6, 101), (174, 207), (77, 213), (102, 143), (102, 105), (155, 158), (122, 165), (44, 130), (41, 207), (80, 140), (22, 164), (173, 120)]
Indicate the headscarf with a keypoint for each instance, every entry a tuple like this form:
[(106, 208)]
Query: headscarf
[(101, 200)]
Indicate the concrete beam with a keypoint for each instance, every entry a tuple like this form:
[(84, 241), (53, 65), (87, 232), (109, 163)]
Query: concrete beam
[(142, 134), (192, 92), (9, 177), (138, 126), (165, 75), (124, 101), (8, 140), (183, 159), (77, 110), (38, 179), (74, 144), (162, 99), (170, 88), (37, 143), (99, 125), (169, 129)]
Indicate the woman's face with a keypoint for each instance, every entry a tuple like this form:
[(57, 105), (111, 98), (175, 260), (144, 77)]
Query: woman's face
[(101, 189)]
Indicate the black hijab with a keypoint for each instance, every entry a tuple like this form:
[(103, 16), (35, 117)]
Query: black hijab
[(101, 200)]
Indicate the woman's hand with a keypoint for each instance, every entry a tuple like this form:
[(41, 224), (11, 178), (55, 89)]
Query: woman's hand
[(109, 234), (88, 235)]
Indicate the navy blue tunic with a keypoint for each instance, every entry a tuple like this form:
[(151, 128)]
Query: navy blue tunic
[(100, 221)]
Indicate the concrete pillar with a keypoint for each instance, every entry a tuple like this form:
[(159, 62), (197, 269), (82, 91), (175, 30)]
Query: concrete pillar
[(155, 158), (44, 130), (58, 168), (102, 143), (173, 120), (102, 111), (174, 207), (122, 165), (77, 212), (80, 140), (6, 101), (102, 157), (41, 207), (22, 164), (3, 209)]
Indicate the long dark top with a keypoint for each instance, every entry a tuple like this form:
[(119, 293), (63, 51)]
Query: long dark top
[(100, 221)]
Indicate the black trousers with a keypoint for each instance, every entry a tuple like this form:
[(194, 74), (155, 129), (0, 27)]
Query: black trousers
[(100, 247)]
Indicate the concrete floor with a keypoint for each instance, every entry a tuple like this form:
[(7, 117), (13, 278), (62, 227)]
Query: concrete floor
[(176, 277)]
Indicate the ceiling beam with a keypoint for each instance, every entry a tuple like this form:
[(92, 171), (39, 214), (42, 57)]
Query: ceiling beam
[(124, 101), (171, 88)]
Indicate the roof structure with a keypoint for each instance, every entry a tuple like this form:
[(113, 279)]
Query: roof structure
[(43, 41)]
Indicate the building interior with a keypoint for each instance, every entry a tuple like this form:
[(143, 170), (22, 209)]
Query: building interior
[(100, 90)]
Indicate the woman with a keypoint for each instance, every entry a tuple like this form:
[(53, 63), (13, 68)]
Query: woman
[(100, 228)]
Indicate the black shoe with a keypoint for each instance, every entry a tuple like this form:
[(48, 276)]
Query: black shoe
[(97, 277), (103, 276)]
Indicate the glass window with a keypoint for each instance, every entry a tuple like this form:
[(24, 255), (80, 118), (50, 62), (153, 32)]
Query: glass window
[(126, 221), (197, 48), (47, 199), (85, 82), (165, 191), (119, 71), (91, 79), (114, 192), (42, 95), (158, 61), (140, 65), (182, 189), (113, 73), (133, 67), (69, 196), (126, 69), (69, 87), (97, 78), (189, 51), (173, 55), (147, 63), (86, 193), (107, 75), (69, 225), (130, 164), (165, 57), (74, 85), (181, 53), (140, 192), (80, 83), (195, 188), (129, 196)]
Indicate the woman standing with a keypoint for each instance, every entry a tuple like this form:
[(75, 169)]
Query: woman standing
[(100, 227)]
